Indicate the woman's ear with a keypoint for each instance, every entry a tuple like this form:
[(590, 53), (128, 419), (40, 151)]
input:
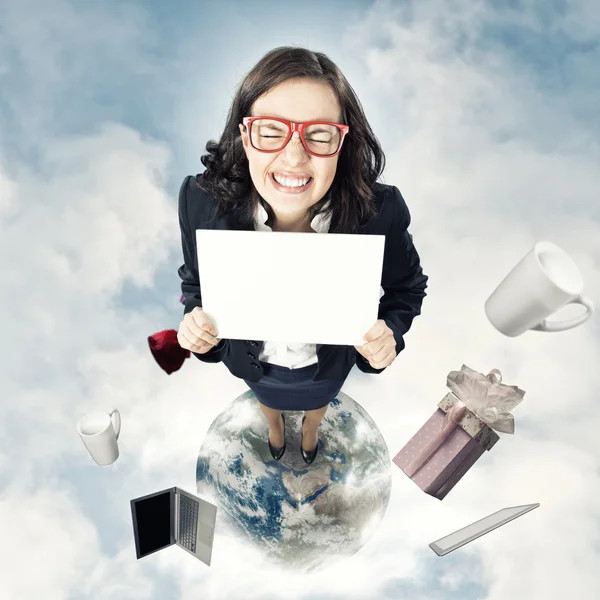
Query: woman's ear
[(244, 137)]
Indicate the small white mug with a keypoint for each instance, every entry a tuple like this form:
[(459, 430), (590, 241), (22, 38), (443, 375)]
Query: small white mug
[(545, 280), (99, 432)]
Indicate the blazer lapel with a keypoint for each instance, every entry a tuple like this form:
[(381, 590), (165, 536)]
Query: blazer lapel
[(231, 221)]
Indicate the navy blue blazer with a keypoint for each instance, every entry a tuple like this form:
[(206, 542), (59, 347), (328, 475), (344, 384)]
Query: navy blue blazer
[(402, 280)]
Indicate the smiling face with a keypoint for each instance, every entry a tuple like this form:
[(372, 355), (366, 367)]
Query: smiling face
[(297, 100)]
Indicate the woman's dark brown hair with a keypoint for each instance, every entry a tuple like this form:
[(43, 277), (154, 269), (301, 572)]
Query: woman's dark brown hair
[(360, 163)]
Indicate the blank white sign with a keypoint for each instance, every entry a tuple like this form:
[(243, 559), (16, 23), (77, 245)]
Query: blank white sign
[(475, 530), (290, 287)]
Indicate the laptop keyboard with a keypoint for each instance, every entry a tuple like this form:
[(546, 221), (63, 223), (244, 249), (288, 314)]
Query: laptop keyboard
[(188, 522)]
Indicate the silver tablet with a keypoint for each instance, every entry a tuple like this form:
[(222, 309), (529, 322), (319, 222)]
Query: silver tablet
[(475, 530)]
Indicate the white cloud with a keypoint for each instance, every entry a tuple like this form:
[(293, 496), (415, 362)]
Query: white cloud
[(52, 550)]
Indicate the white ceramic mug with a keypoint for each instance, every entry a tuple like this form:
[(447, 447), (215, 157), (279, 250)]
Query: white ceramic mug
[(545, 280), (100, 432)]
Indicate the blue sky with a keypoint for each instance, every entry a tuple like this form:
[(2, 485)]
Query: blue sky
[(488, 116)]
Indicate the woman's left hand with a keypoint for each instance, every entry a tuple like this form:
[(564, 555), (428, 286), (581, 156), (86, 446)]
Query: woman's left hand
[(380, 349)]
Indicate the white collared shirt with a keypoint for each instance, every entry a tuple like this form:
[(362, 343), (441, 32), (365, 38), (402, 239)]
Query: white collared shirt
[(292, 356)]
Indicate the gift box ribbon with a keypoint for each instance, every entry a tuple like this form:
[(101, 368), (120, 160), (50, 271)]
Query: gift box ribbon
[(451, 421), (487, 397)]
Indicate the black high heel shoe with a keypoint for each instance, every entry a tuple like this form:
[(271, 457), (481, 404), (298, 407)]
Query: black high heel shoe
[(308, 457), (277, 453)]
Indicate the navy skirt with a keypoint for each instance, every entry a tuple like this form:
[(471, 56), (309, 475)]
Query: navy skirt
[(293, 389)]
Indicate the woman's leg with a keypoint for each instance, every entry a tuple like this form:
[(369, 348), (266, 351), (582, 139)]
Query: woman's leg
[(310, 428), (275, 423)]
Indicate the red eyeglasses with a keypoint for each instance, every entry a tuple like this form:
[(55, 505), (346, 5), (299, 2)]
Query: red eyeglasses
[(319, 138)]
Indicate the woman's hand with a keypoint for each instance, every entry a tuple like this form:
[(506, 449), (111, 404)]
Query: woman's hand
[(197, 332), (380, 349)]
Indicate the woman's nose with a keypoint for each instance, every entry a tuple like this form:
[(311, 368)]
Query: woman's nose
[(295, 151)]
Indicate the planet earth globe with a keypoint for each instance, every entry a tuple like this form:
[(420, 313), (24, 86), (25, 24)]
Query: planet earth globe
[(303, 517)]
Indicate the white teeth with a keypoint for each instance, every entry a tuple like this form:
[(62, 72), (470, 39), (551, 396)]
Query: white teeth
[(287, 182)]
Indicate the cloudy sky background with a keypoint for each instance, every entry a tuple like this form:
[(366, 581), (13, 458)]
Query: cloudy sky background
[(488, 114)]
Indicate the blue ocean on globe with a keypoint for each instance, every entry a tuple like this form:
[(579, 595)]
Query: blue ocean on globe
[(301, 516)]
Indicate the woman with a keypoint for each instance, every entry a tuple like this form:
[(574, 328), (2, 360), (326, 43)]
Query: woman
[(298, 155)]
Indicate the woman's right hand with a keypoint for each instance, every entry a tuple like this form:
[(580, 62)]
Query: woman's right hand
[(197, 332)]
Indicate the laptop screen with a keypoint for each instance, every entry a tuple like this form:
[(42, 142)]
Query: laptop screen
[(153, 522)]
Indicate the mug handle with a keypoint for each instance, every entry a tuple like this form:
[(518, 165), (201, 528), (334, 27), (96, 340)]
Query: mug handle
[(116, 421), (569, 323)]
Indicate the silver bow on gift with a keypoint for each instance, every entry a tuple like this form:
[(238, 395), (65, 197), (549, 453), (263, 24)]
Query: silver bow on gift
[(486, 396)]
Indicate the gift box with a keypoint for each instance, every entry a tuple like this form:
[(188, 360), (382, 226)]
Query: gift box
[(462, 428)]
